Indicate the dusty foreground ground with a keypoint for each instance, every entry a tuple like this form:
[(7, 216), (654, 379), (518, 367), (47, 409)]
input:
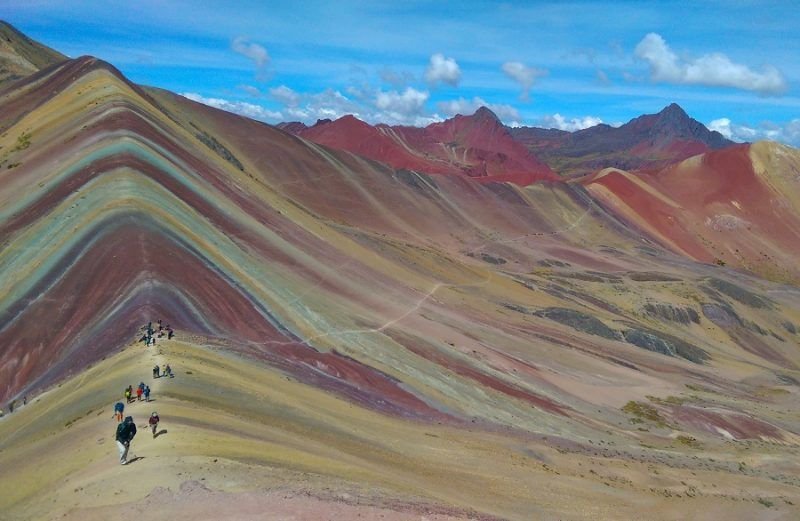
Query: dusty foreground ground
[(240, 441)]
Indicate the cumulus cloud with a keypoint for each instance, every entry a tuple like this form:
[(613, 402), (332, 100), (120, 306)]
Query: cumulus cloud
[(253, 51), (788, 133), (524, 75), (714, 69), (442, 70), (570, 125), (328, 104), (464, 106), (409, 102), (285, 95), (242, 108)]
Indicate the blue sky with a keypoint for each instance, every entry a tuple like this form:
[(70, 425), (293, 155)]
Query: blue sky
[(732, 65)]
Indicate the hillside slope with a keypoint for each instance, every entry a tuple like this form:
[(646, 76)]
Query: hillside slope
[(21, 56), (343, 319)]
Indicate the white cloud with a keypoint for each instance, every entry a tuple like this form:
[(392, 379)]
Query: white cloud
[(285, 95), (524, 75), (466, 107), (254, 52), (789, 133), (410, 102), (561, 123), (242, 108), (253, 91), (723, 126), (442, 70), (328, 104), (714, 69)]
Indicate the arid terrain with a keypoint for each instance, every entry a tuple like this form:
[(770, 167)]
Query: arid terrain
[(406, 324)]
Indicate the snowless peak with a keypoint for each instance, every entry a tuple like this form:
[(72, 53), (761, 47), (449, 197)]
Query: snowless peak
[(485, 113)]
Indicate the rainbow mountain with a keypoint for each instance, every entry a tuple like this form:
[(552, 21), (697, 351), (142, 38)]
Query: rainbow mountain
[(384, 339)]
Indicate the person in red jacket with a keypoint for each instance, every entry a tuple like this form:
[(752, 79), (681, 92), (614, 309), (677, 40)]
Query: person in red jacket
[(154, 422)]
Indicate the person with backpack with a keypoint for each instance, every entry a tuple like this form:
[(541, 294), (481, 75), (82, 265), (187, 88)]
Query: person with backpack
[(118, 408), (147, 393), (156, 371), (128, 395), (139, 392), (154, 422), (126, 430)]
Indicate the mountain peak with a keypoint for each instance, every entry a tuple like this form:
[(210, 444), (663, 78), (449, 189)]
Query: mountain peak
[(673, 112), (484, 113)]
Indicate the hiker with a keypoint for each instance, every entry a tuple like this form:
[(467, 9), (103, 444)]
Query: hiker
[(129, 394), (169, 372), (118, 408), (156, 371), (125, 433), (11, 407), (154, 422), (170, 334), (139, 392), (25, 400), (147, 393), (164, 370)]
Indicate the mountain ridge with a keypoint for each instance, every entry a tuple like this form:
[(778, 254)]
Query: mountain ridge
[(647, 142), (20, 56)]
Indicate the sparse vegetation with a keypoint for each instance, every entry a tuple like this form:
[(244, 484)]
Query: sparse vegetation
[(23, 142), (766, 502), (689, 441), (669, 400), (644, 411)]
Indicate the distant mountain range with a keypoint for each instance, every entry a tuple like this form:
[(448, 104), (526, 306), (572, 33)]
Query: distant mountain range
[(481, 147)]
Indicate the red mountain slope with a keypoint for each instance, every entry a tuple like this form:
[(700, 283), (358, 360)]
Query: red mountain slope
[(716, 207), (478, 146)]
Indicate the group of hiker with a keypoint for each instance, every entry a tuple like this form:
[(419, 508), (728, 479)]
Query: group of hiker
[(150, 333), (165, 371), (126, 428), (141, 390)]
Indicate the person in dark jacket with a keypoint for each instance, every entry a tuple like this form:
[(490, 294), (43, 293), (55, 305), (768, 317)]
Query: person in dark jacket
[(154, 422), (125, 433)]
